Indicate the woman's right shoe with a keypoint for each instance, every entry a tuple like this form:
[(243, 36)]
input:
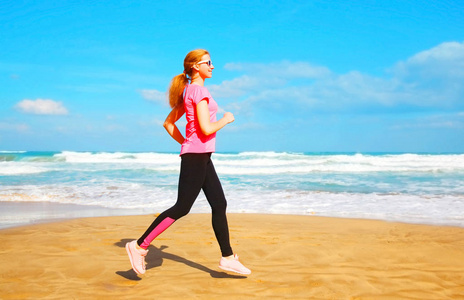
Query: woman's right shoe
[(136, 257)]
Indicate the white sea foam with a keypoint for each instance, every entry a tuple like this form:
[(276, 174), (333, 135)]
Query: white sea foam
[(274, 163), (404, 187), (13, 168), (117, 157)]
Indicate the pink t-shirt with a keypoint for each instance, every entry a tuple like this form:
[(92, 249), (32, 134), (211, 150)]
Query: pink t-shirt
[(195, 140)]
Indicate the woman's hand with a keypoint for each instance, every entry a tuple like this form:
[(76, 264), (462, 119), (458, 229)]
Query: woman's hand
[(228, 117), (170, 123)]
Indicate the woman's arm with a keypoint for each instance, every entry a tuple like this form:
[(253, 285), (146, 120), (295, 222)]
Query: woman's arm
[(205, 124), (170, 123)]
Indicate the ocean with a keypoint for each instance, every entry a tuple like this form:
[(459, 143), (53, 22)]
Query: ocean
[(412, 188)]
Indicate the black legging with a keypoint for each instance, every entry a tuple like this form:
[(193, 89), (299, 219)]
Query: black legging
[(196, 173)]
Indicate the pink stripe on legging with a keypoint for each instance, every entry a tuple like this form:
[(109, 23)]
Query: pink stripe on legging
[(157, 231)]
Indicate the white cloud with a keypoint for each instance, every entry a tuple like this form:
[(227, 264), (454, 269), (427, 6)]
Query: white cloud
[(41, 107), (236, 87), (445, 61), (266, 76), (155, 96), (432, 78), (449, 51)]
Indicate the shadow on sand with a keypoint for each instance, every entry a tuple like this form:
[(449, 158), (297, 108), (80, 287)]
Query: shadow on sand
[(155, 259)]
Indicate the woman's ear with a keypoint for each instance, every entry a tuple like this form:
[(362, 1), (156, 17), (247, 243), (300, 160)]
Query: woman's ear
[(195, 67)]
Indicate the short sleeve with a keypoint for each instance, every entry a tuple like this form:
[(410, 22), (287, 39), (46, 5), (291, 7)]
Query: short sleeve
[(199, 94)]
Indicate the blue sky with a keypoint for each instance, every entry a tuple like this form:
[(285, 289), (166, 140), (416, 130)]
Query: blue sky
[(358, 76)]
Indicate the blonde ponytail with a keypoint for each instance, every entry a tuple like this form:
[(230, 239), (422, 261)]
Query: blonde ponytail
[(176, 89)]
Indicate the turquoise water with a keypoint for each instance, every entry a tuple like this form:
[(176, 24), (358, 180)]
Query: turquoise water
[(418, 188)]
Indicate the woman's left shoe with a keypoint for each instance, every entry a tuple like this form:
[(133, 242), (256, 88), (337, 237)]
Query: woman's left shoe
[(233, 265)]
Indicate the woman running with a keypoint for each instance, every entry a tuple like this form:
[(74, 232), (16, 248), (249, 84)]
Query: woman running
[(187, 95)]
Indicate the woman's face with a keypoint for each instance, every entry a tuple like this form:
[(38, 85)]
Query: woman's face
[(205, 67)]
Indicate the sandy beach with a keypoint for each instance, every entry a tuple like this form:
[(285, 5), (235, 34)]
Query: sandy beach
[(293, 257)]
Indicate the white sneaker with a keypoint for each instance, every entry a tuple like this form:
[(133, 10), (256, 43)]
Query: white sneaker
[(137, 257), (233, 265)]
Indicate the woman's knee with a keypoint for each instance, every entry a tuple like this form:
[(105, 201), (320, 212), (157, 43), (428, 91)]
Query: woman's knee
[(219, 207), (179, 211)]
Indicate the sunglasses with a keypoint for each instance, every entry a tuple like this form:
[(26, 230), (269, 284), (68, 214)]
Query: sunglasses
[(209, 62)]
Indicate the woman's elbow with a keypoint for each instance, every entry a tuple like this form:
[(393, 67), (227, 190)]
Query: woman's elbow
[(167, 125), (206, 131)]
